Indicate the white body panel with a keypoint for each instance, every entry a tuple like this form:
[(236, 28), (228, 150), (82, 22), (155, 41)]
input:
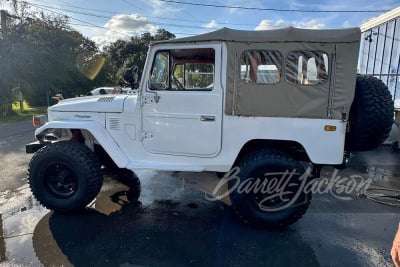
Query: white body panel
[(169, 135), (127, 150), (97, 130), (104, 103), (177, 125)]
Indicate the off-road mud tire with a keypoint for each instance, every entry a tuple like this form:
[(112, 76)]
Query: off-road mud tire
[(256, 164), (81, 173), (371, 115)]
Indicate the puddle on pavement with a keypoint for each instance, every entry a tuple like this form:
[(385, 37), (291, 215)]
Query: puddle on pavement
[(173, 224), (31, 235), (379, 165)]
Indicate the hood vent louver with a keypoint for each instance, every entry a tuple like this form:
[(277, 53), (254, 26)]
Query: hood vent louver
[(106, 99)]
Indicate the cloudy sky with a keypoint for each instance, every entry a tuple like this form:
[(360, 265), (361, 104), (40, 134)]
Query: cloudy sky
[(106, 21)]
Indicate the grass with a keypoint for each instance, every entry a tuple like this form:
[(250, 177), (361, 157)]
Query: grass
[(25, 115)]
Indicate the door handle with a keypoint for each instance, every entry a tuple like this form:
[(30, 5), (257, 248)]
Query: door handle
[(207, 118)]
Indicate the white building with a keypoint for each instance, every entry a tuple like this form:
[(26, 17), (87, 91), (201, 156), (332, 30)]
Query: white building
[(380, 50)]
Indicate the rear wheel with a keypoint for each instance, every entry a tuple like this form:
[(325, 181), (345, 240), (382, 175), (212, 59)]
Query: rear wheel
[(276, 198), (65, 176)]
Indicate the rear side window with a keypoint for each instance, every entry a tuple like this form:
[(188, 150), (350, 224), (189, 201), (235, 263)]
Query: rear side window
[(307, 67), (261, 66)]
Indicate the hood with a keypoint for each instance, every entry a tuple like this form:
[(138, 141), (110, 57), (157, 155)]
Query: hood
[(104, 103)]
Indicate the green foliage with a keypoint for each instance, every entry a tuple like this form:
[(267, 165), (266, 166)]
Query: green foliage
[(41, 55), (24, 114), (123, 54)]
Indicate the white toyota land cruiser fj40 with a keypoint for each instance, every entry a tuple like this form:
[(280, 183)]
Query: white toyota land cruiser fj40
[(266, 103)]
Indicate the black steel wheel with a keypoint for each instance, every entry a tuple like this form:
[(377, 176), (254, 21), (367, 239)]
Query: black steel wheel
[(60, 180)]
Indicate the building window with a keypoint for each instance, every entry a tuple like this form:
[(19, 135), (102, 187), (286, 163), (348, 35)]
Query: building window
[(307, 67), (380, 53), (261, 66), (388, 49)]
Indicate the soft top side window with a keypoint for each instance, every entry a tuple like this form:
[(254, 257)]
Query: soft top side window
[(261, 66), (183, 70), (307, 67)]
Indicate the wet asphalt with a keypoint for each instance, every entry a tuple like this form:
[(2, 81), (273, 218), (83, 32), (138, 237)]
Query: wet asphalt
[(173, 224), (13, 160)]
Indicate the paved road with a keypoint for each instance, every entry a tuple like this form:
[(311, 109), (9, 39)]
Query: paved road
[(172, 224), (13, 160)]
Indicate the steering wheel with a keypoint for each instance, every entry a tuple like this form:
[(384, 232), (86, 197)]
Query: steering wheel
[(178, 83)]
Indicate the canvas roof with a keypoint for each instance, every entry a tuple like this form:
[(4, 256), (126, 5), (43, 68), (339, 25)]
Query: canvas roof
[(330, 99), (289, 34)]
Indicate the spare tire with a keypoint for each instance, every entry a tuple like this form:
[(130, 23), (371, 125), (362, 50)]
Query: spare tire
[(371, 115)]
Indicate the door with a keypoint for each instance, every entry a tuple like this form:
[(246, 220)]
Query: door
[(182, 102)]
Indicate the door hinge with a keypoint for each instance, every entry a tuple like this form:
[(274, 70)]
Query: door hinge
[(148, 99), (147, 135), (151, 98)]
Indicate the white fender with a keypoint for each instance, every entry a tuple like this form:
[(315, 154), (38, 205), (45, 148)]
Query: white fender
[(97, 130)]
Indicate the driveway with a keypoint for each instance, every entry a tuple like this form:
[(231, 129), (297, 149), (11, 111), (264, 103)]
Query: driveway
[(173, 224), (13, 137)]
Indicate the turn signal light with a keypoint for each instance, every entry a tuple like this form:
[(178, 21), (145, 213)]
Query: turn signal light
[(39, 120), (330, 128), (35, 121)]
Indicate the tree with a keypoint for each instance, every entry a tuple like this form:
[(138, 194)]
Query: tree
[(123, 54), (42, 54), (163, 35)]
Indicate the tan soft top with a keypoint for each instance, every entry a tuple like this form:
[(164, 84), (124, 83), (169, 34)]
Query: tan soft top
[(330, 100), (289, 34)]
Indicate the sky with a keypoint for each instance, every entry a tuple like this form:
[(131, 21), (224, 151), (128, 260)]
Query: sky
[(107, 21)]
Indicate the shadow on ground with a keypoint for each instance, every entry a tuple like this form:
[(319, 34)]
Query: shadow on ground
[(164, 233)]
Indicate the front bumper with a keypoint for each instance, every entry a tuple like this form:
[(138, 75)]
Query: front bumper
[(34, 146)]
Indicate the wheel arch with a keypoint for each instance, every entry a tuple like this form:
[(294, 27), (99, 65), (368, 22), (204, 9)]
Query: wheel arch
[(89, 130), (293, 148)]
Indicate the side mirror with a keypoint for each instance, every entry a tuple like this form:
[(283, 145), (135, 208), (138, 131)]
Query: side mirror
[(131, 76)]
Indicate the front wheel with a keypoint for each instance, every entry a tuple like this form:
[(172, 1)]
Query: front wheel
[(65, 176), (267, 189)]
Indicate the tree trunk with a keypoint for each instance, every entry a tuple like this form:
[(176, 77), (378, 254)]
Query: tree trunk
[(6, 109)]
